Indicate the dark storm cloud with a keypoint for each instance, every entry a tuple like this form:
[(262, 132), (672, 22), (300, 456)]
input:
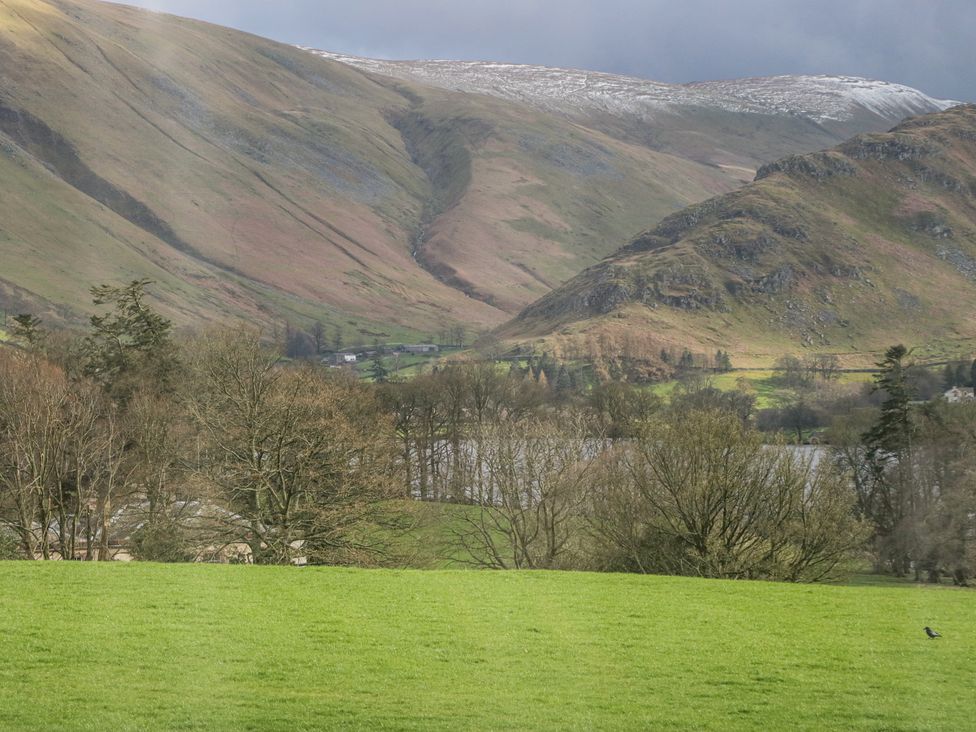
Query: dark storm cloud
[(927, 44)]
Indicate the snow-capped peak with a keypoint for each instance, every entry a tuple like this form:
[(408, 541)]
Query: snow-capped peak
[(574, 91)]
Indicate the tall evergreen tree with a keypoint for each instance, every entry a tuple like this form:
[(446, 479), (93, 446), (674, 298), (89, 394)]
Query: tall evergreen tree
[(130, 341), (378, 370), (564, 382), (892, 432), (723, 361), (27, 330), (888, 495)]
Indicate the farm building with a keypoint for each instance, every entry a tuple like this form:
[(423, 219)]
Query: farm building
[(420, 348), (959, 394)]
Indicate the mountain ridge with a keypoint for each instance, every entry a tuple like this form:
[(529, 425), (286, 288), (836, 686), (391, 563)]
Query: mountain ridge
[(734, 125), (574, 88), (844, 250), (254, 181)]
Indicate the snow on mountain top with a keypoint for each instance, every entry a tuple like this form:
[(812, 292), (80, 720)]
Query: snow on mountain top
[(821, 98), (826, 97)]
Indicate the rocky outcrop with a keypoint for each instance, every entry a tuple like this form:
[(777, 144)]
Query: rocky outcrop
[(839, 247), (747, 249), (819, 166), (779, 280), (962, 262), (932, 224), (887, 147)]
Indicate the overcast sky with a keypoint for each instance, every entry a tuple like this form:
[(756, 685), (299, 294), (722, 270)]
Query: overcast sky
[(929, 44)]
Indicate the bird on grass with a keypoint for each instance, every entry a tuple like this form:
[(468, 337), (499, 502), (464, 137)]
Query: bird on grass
[(932, 634)]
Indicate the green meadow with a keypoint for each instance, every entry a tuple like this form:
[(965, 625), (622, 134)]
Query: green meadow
[(201, 647), (763, 384)]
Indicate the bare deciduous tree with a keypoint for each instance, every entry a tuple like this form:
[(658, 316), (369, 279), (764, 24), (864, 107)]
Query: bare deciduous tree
[(701, 494), (533, 476), (299, 458), (60, 459)]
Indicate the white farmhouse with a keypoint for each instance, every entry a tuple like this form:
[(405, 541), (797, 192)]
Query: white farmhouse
[(959, 394)]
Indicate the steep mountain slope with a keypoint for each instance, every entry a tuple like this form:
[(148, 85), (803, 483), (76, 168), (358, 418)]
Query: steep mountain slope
[(251, 179), (740, 123), (254, 180), (843, 251), (521, 201), (245, 179)]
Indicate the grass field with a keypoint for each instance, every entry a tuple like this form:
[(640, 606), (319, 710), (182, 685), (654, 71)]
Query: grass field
[(404, 365), (763, 384), (125, 647)]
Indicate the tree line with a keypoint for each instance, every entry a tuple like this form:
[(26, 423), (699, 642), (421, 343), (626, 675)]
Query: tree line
[(189, 449), (129, 439)]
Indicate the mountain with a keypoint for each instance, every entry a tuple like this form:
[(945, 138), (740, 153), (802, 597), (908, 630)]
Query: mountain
[(246, 178), (254, 180), (844, 251), (737, 124)]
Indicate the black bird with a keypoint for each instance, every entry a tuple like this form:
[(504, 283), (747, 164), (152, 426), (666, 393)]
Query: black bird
[(931, 633)]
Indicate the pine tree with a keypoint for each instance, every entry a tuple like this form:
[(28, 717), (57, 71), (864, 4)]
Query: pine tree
[(130, 341), (888, 499), (723, 362), (892, 432), (564, 383), (27, 330), (377, 370)]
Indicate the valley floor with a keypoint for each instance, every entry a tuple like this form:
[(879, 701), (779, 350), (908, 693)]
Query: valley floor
[(141, 646)]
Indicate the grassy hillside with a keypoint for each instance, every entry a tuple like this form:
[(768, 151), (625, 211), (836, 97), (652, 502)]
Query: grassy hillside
[(520, 201), (845, 251), (94, 647), (254, 180), (242, 178)]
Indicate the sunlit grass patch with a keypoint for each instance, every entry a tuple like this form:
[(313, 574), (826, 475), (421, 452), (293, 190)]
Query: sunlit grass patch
[(94, 647)]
